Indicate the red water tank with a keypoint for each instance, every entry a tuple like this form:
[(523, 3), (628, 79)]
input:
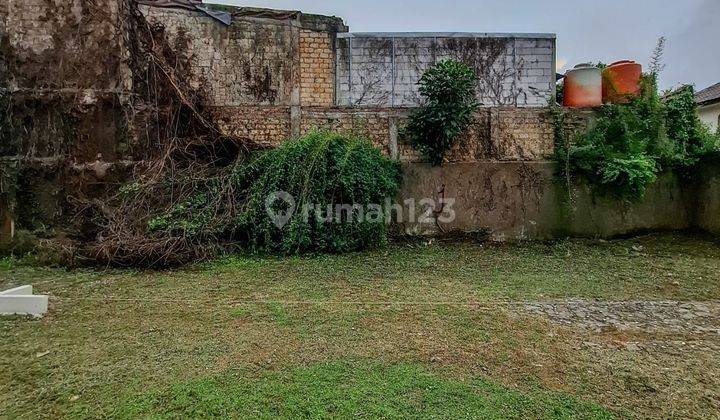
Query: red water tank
[(621, 81), (583, 87)]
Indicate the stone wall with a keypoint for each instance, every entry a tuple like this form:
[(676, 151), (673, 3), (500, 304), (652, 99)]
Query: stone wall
[(382, 69)]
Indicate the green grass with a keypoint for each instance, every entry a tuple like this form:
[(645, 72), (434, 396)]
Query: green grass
[(433, 316), (349, 389)]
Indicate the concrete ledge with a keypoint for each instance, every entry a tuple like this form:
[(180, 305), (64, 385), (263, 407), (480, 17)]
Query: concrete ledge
[(21, 301), (445, 35)]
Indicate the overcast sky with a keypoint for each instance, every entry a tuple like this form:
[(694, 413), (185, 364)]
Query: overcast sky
[(607, 30)]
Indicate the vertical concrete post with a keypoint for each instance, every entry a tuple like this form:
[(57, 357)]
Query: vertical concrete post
[(350, 74), (295, 100), (516, 74), (392, 74), (393, 134)]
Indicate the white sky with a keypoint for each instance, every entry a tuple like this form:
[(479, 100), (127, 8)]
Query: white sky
[(606, 30)]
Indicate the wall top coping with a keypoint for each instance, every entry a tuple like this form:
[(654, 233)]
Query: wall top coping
[(446, 35)]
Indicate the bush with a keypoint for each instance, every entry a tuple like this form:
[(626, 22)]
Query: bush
[(631, 143), (449, 91), (691, 139), (319, 169)]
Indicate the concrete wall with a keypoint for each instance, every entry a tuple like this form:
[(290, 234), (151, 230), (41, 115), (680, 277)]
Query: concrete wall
[(62, 77), (710, 115), (518, 201), (382, 69), (707, 197), (246, 63)]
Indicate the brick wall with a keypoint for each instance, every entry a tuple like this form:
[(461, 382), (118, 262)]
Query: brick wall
[(317, 68), (495, 134), (260, 126), (370, 123), (521, 134)]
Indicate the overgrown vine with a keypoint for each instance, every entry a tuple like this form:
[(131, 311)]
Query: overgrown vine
[(630, 144)]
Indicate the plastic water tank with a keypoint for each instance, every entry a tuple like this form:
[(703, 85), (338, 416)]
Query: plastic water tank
[(621, 81), (583, 87)]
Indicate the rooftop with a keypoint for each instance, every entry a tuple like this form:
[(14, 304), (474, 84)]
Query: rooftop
[(709, 95)]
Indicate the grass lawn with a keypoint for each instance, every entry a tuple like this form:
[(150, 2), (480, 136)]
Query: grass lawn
[(413, 330)]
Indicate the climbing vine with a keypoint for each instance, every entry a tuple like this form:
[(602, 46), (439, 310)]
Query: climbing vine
[(622, 154)]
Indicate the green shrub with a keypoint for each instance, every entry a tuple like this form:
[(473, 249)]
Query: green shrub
[(691, 139), (449, 91), (631, 143), (318, 170)]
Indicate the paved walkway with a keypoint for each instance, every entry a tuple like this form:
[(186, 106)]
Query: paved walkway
[(646, 316)]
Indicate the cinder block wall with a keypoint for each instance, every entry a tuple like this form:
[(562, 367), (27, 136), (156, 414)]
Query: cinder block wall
[(382, 69)]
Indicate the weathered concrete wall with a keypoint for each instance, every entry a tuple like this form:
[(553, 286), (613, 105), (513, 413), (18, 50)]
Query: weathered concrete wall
[(71, 45), (707, 198), (63, 78), (517, 201), (382, 69), (246, 63), (63, 85)]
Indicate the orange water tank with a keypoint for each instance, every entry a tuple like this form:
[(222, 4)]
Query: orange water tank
[(621, 80), (583, 87)]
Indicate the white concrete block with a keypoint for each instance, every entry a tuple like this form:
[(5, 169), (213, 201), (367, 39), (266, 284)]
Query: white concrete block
[(21, 301), (21, 290)]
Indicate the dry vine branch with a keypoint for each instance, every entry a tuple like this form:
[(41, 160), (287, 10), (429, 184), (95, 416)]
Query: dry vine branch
[(190, 153)]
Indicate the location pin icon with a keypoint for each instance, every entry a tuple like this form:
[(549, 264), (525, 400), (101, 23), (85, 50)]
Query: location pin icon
[(280, 218)]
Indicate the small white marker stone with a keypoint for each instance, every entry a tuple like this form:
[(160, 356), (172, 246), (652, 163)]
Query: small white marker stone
[(21, 301)]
